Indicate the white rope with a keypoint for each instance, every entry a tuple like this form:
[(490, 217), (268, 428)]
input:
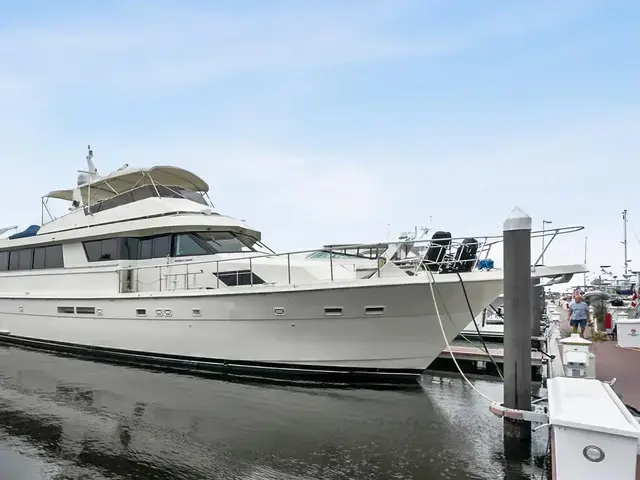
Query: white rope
[(444, 335)]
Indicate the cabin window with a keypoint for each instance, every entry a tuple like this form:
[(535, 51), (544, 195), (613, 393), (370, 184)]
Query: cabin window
[(53, 257), (187, 245), (36, 258), (93, 250), (155, 247), (26, 259), (241, 277), (226, 242), (39, 257), (146, 249), (129, 248), (14, 258), (4, 261), (109, 250), (102, 250), (162, 246)]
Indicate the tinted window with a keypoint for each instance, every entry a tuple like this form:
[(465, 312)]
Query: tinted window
[(94, 250), (242, 277), (188, 245), (162, 246), (4, 261), (224, 242), (116, 249), (53, 258), (146, 249), (109, 249), (14, 260), (38, 257), (129, 248), (26, 259)]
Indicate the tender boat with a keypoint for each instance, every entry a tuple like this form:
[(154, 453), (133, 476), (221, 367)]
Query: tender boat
[(142, 269)]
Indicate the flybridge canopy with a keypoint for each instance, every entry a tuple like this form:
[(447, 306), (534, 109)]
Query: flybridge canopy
[(122, 181)]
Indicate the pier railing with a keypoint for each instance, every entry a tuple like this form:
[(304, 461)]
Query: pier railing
[(340, 262)]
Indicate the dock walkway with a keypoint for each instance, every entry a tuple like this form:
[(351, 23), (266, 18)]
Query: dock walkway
[(614, 362)]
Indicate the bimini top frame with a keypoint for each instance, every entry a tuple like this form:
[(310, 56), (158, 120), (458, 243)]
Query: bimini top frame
[(127, 185)]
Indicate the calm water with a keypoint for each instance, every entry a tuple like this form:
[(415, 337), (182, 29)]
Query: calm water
[(63, 418)]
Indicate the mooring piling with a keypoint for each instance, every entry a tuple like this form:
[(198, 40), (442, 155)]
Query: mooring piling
[(518, 324)]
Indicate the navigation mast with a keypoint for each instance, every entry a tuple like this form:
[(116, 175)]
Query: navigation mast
[(624, 242)]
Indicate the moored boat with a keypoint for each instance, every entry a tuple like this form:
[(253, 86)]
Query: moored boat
[(143, 269)]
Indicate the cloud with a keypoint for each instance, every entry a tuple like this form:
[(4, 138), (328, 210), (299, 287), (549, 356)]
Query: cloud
[(145, 47), (223, 92), (332, 189), (153, 47)]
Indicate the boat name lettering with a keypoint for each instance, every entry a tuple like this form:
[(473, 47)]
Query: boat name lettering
[(182, 260)]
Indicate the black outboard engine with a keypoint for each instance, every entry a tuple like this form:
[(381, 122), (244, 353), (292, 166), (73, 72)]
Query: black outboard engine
[(438, 247), (466, 255), (617, 302)]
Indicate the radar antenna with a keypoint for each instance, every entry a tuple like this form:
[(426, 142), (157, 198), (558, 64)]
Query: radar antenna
[(93, 171)]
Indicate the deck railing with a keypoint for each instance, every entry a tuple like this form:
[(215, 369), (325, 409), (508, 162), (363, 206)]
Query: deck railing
[(435, 256)]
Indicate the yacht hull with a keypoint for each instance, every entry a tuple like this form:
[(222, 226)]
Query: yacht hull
[(374, 330)]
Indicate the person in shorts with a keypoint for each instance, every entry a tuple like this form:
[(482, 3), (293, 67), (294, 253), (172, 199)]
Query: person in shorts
[(578, 314)]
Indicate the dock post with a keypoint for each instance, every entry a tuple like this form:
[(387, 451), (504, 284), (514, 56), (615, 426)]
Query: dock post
[(536, 307), (517, 328)]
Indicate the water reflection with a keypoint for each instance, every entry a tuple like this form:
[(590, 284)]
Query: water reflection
[(103, 421)]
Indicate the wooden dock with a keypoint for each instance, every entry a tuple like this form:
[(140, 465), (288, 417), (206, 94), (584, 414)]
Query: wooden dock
[(464, 351)]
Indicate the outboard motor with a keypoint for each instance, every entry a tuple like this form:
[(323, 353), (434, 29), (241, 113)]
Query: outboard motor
[(617, 302), (438, 247), (466, 255)]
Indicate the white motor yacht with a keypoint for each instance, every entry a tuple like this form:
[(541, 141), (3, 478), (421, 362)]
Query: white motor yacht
[(142, 269)]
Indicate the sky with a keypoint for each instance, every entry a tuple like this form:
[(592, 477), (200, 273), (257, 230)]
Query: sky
[(323, 121)]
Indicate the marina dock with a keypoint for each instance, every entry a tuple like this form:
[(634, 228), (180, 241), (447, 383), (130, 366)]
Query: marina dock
[(613, 362), (615, 369), (473, 358), (463, 351)]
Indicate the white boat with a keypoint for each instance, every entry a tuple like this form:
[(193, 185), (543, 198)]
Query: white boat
[(141, 269)]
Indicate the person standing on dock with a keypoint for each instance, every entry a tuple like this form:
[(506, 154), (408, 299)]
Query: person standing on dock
[(578, 314)]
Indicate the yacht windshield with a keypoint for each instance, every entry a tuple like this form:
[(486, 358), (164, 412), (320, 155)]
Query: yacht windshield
[(145, 191), (211, 243), (226, 242), (363, 251)]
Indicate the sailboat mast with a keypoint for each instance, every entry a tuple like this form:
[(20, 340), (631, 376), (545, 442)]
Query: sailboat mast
[(624, 224)]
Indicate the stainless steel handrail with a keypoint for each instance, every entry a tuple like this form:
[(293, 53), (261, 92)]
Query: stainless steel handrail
[(484, 247)]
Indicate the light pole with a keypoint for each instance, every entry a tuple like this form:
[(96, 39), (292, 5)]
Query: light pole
[(625, 221), (544, 224), (602, 270)]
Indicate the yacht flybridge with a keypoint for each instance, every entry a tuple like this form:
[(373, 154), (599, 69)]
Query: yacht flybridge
[(143, 269)]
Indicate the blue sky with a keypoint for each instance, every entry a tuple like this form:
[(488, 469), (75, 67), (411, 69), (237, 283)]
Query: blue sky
[(326, 121)]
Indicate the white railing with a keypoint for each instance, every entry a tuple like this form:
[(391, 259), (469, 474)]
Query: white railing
[(438, 256)]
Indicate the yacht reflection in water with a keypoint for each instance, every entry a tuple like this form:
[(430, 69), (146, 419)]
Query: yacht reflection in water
[(97, 421)]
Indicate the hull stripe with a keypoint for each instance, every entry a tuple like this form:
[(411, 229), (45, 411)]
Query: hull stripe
[(247, 369)]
